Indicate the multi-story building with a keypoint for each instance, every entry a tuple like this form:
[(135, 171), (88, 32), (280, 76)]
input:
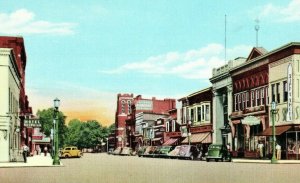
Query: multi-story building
[(222, 101), (250, 103), (172, 134), (10, 81), (124, 102), (127, 115), (197, 127)]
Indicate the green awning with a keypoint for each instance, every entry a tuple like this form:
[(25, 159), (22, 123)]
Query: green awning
[(251, 120)]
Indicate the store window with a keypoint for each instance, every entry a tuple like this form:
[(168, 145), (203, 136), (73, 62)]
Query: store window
[(278, 92), (285, 91)]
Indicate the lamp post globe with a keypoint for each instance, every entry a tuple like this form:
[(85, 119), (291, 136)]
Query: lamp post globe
[(55, 120), (273, 112)]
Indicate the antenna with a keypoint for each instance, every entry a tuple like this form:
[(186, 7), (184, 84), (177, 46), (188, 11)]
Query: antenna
[(225, 40), (256, 29)]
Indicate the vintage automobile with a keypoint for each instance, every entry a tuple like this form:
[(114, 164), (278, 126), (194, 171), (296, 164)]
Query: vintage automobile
[(146, 151), (126, 151), (117, 151), (218, 152), (188, 152), (150, 152), (156, 152), (174, 153), (141, 150), (164, 150), (70, 151)]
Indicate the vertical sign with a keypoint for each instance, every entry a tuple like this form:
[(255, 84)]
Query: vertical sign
[(289, 115)]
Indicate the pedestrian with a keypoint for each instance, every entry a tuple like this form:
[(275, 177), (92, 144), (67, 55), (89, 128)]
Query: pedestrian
[(25, 149), (260, 147), (45, 150), (278, 151)]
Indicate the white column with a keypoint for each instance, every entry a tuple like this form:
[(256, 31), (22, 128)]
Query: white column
[(214, 121)]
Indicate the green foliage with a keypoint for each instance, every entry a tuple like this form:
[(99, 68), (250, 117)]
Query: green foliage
[(86, 134), (46, 119)]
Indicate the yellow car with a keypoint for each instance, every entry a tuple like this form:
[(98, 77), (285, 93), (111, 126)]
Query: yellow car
[(71, 151)]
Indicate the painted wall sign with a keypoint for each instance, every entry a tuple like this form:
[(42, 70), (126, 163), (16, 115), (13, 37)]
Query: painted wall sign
[(289, 113)]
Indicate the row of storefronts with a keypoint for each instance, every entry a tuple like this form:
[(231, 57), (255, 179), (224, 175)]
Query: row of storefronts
[(234, 111)]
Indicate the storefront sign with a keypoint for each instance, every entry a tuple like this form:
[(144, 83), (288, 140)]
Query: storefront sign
[(289, 114), (251, 120), (32, 123)]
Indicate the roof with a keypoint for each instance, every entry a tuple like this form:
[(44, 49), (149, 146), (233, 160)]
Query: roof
[(196, 93)]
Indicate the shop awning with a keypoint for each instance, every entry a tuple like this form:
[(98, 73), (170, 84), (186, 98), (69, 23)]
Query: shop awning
[(155, 139), (251, 120), (169, 142), (278, 131), (204, 138), (44, 140)]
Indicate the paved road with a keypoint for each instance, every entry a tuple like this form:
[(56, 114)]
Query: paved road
[(108, 168)]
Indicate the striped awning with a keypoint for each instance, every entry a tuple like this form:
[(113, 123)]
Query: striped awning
[(169, 142), (204, 138)]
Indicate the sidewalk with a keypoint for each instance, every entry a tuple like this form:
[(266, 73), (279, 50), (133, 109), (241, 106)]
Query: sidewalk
[(33, 161), (266, 161)]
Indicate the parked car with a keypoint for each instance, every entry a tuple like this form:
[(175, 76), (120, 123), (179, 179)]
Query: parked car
[(70, 151), (156, 152), (126, 151), (188, 152), (147, 150), (218, 152), (164, 150), (150, 152), (141, 150), (117, 151), (174, 153)]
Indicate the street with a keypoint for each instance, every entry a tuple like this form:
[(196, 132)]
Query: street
[(110, 168)]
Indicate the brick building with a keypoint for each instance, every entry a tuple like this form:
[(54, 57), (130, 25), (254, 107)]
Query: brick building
[(128, 108)]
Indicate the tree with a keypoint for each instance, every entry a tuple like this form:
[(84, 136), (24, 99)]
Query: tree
[(74, 132), (46, 117)]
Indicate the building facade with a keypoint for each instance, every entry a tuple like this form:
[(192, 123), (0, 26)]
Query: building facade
[(222, 101), (10, 81), (197, 127)]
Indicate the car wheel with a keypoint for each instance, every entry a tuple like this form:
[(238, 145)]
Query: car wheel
[(191, 157), (207, 160), (66, 156), (222, 159), (216, 160)]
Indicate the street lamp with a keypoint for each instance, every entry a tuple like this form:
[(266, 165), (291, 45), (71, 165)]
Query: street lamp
[(273, 111), (55, 121), (107, 145)]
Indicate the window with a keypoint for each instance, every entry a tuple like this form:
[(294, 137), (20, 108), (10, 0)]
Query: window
[(192, 115), (277, 92), (267, 95), (199, 113), (243, 101), (129, 106), (173, 126), (262, 96), (239, 102), (123, 106), (167, 126), (285, 91), (235, 102), (247, 103), (273, 92), (207, 113), (257, 97), (203, 113), (252, 98)]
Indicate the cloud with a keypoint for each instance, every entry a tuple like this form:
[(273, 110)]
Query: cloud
[(283, 14), (192, 64), (23, 21)]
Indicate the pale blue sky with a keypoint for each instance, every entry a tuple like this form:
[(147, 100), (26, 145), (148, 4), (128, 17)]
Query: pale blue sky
[(85, 52)]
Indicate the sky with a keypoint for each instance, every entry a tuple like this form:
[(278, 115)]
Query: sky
[(86, 52)]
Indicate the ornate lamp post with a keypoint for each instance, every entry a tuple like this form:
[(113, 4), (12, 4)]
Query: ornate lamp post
[(56, 158), (273, 111)]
